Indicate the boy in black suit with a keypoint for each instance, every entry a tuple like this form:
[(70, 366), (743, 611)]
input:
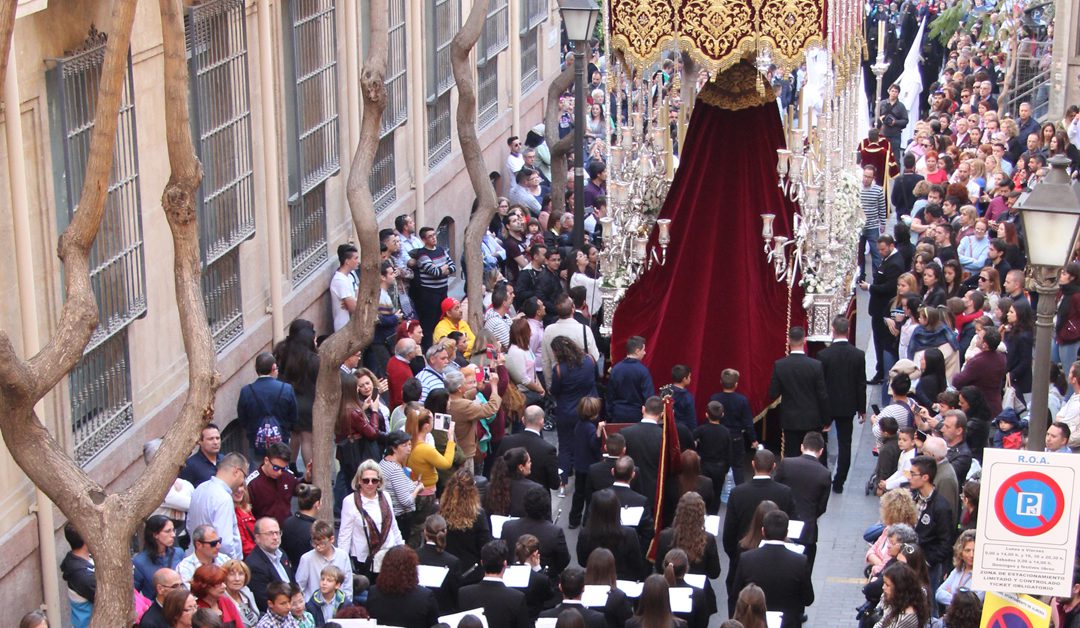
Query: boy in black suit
[(503, 607)]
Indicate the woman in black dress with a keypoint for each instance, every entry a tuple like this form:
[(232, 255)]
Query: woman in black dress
[(467, 527), (604, 529)]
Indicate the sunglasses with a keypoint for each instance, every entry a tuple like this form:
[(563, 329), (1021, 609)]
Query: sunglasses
[(983, 279), (213, 543), (369, 480), (278, 467)]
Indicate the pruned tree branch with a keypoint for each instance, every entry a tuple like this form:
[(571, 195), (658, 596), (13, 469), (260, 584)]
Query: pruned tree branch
[(558, 148), (460, 47), (358, 333), (107, 521)]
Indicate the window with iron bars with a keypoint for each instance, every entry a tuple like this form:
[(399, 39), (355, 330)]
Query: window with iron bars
[(382, 179), (533, 14), (442, 21), (493, 40), (312, 126), (100, 385), (397, 96), (221, 124)]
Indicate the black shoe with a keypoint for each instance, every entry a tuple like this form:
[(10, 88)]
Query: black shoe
[(575, 526), (838, 488), (874, 382)]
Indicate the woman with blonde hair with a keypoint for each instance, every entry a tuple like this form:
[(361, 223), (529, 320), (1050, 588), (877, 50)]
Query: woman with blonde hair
[(963, 564), (896, 506), (368, 526), (237, 577)]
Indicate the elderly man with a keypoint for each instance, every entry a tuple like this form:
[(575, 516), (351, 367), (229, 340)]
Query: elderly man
[(432, 375), (212, 503), (267, 562), (946, 479), (398, 370), (453, 320), (465, 409), (206, 550), (165, 580)]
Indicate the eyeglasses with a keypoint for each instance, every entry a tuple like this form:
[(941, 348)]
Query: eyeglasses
[(175, 585), (369, 480), (278, 467), (213, 543), (270, 533), (981, 279)]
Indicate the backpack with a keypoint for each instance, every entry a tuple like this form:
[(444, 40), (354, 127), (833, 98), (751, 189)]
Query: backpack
[(267, 427)]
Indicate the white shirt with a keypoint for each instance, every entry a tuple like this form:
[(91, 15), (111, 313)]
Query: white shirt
[(212, 504), (342, 286), (1070, 415), (186, 568), (353, 538)]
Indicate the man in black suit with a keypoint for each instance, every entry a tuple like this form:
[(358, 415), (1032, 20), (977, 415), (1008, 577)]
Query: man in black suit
[(623, 475), (809, 484), (799, 379), (264, 402), (165, 581), (267, 562), (782, 574), (545, 462), (572, 585), (882, 292), (503, 607), (845, 367), (554, 554), (600, 473), (742, 502), (643, 443)]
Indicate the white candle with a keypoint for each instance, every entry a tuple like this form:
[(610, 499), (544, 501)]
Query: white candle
[(767, 225), (664, 224)]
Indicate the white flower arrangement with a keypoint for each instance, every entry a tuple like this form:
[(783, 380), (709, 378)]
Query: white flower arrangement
[(832, 272)]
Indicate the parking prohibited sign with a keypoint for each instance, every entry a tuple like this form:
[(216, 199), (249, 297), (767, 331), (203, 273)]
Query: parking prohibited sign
[(1008, 610), (1027, 523)]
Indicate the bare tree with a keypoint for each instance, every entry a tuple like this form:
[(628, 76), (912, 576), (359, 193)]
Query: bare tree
[(460, 47), (107, 521), (358, 333), (558, 148)]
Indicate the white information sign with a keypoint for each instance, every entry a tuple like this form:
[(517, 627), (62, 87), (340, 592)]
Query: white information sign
[(1028, 516)]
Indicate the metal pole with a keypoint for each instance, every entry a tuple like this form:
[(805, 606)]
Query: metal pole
[(579, 143), (1046, 286)]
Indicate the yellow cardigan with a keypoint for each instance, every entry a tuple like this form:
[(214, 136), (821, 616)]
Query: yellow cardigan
[(425, 461)]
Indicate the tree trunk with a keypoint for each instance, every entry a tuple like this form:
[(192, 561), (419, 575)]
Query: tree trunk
[(358, 333), (471, 152), (107, 521), (558, 148)]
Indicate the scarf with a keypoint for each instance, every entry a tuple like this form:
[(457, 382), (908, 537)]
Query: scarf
[(375, 536)]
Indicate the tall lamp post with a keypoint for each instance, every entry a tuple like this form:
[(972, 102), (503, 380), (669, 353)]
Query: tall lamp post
[(1050, 213), (579, 18)]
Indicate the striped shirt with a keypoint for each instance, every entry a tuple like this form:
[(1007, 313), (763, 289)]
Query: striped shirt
[(398, 486), (431, 262), (873, 204), (430, 380)]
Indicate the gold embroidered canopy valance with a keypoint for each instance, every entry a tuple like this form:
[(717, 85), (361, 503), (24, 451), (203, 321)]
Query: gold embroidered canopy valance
[(718, 33)]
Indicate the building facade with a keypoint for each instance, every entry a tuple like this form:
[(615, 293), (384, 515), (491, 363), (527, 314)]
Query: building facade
[(275, 107)]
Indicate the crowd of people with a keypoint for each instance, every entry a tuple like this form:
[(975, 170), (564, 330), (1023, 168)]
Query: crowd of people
[(443, 494)]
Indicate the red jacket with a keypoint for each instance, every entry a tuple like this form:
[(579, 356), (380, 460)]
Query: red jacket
[(397, 372)]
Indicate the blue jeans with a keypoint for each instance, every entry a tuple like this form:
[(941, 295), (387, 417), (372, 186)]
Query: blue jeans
[(869, 237)]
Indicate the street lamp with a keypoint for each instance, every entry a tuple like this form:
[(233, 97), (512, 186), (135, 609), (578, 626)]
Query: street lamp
[(1050, 214), (579, 18)]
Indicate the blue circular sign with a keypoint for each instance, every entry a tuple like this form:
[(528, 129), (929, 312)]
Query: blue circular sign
[(1029, 503)]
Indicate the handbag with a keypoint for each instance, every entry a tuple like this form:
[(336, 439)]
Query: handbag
[(513, 401), (1011, 399)]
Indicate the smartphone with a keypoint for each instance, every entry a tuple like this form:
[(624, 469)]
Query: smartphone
[(440, 421), (487, 373), (876, 409)]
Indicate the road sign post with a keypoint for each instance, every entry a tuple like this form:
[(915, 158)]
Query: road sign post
[(1028, 515)]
